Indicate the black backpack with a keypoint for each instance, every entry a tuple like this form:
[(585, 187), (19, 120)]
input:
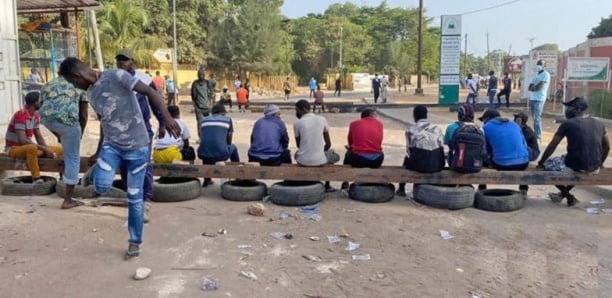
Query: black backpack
[(467, 149)]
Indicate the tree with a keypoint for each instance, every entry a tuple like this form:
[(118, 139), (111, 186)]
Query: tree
[(547, 47), (604, 29)]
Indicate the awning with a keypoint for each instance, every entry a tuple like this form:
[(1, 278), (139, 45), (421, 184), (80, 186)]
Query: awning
[(48, 6)]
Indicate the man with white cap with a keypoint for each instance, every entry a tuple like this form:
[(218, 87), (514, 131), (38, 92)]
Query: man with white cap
[(269, 139), (226, 98)]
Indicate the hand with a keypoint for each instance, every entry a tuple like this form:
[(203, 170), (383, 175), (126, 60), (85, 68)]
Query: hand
[(540, 166), (173, 128), (347, 147), (92, 159), (161, 132), (49, 153)]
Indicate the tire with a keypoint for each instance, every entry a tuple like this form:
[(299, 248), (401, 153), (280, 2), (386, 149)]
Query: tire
[(499, 200), (88, 192), (243, 190), (371, 192), (176, 189), (451, 197), (22, 186), (297, 193)]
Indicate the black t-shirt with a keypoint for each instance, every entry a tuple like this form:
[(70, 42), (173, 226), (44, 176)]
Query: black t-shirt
[(530, 138), (584, 136)]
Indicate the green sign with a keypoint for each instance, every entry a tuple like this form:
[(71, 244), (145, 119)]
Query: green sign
[(448, 95)]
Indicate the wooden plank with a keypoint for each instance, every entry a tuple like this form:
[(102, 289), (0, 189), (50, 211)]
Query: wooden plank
[(387, 174)]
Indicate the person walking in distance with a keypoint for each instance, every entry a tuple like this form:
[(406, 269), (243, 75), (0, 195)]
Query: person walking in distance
[(318, 96), (539, 92), (507, 81), (170, 91), (312, 86), (159, 82), (287, 88), (376, 85), (492, 89), (472, 89), (200, 96), (338, 86)]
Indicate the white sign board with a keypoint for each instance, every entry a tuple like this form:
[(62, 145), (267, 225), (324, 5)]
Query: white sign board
[(163, 55), (451, 25), (549, 57), (588, 69), (450, 54)]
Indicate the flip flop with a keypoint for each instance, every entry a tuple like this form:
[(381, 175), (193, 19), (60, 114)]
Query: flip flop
[(129, 254), (77, 203)]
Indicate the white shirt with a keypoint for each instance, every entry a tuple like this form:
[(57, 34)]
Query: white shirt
[(310, 129), (472, 86), (169, 141)]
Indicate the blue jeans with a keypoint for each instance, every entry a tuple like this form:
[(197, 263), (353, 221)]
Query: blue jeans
[(471, 96), (492, 93), (147, 186), (136, 160), (70, 137), (536, 108), (233, 156)]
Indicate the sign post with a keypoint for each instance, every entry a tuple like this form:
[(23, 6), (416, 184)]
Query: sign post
[(450, 61), (589, 69)]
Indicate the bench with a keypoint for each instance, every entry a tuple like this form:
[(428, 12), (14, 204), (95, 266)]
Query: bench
[(385, 174)]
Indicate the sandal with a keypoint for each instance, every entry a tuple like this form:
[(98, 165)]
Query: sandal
[(129, 254)]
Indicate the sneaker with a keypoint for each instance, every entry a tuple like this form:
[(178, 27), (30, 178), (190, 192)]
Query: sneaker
[(344, 186), (400, 193), (571, 201), (555, 197), (330, 189), (207, 182)]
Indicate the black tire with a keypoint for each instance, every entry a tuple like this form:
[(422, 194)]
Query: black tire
[(88, 192), (499, 200), (176, 189), (243, 190), (297, 193), (451, 197), (22, 186), (371, 192)]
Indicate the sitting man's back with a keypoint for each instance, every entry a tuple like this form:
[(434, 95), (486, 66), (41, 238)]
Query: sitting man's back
[(269, 139)]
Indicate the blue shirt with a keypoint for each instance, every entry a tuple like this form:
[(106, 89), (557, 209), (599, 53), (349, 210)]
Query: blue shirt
[(450, 131), (214, 130), (312, 84), (541, 94), (269, 138), (505, 142), (170, 86)]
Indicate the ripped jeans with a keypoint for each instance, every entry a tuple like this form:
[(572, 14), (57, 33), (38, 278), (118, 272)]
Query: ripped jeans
[(110, 160)]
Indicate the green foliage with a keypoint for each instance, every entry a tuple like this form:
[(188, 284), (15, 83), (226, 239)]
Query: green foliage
[(604, 29), (600, 103), (547, 47)]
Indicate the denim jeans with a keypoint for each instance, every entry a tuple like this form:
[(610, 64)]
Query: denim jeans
[(471, 98), (233, 156), (70, 137), (492, 98), (147, 185), (536, 108), (136, 160)]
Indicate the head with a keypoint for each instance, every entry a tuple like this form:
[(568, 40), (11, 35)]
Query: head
[(157, 73), (302, 107), (318, 87), (488, 115), (419, 113), (32, 100), (218, 108), (225, 89), (34, 71), (506, 73), (287, 78), (575, 108), (125, 59), (201, 74), (521, 118), (376, 75), (272, 111), (540, 65), (174, 112), (465, 113), (368, 112), (77, 73), (491, 73), (469, 76)]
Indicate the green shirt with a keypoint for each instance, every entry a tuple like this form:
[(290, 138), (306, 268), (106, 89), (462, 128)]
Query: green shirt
[(201, 94), (60, 102)]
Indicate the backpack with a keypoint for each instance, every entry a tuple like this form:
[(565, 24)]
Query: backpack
[(467, 149), (426, 152)]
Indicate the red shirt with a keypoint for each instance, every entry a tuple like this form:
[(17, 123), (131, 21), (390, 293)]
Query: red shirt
[(22, 120), (159, 83), (365, 136), (241, 96)]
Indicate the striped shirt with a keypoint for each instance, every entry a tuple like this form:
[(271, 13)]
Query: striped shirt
[(22, 120), (214, 130)]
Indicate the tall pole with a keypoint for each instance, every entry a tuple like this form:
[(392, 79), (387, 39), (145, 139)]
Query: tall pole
[(465, 70), (175, 50), (341, 44), (488, 54), (419, 88), (96, 36)]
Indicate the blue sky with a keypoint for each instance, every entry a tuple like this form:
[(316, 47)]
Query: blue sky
[(565, 22)]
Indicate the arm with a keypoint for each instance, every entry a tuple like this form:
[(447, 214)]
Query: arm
[(284, 137), (550, 149), (193, 92), (157, 102), (83, 115), (22, 139), (94, 157), (156, 111), (327, 140), (229, 138), (605, 148)]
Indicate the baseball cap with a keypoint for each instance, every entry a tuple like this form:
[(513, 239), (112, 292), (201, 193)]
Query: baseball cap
[(577, 103), (489, 114), (271, 109), (125, 52), (522, 115)]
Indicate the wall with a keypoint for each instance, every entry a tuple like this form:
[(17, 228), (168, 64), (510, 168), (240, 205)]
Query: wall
[(10, 89)]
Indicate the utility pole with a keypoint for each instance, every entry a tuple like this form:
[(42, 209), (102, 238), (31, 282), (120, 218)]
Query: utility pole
[(419, 88), (340, 62), (465, 70), (175, 51), (488, 53), (531, 39)]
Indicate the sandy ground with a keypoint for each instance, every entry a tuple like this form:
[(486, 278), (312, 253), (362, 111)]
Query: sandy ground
[(543, 250)]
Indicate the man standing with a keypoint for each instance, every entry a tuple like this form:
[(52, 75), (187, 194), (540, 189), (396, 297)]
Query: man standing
[(492, 89), (532, 143), (64, 113), (472, 89), (287, 88), (34, 78), (506, 90), (539, 92), (200, 96), (269, 139), (237, 83), (364, 149), (125, 135), (338, 86), (171, 91), (587, 147), (216, 145), (159, 82), (384, 87), (312, 138), (312, 85), (506, 145), (318, 100), (376, 85), (242, 97)]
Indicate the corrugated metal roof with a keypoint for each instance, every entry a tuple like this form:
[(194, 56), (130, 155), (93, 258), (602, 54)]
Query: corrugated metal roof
[(55, 5)]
